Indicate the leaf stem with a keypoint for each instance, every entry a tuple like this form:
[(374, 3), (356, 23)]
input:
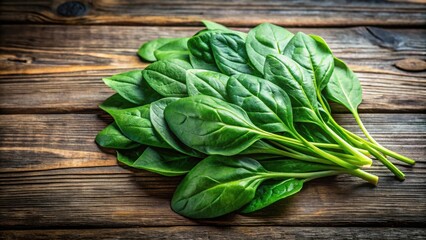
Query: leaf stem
[(316, 150), (380, 148), (361, 157)]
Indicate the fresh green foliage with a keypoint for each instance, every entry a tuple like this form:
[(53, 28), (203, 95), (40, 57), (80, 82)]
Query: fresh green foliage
[(230, 54), (111, 137), (266, 39), (211, 125), (164, 162), (313, 54), (132, 87), (116, 102), (216, 26), (272, 191), (266, 104), (201, 56), (146, 51), (168, 77), (177, 49), (244, 116), (135, 124), (204, 193), (160, 125), (202, 82)]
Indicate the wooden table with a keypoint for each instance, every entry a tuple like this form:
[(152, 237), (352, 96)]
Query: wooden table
[(56, 183)]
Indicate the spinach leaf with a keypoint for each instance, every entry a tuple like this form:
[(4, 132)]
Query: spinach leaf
[(344, 87), (160, 125), (168, 77), (266, 104), (216, 26), (129, 156), (263, 40), (313, 133), (313, 54), (116, 102), (201, 56), (177, 49), (111, 137), (136, 125), (210, 125), (271, 191), (132, 87), (146, 51), (288, 74), (207, 83), (164, 162), (204, 193), (230, 54)]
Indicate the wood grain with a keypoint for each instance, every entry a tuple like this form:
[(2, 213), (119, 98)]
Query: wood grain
[(219, 233), (54, 176), (64, 66), (233, 13)]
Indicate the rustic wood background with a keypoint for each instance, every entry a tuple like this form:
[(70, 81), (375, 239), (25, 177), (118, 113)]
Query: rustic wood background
[(57, 184)]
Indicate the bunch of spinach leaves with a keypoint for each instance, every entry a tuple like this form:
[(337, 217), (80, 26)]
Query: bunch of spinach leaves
[(244, 116)]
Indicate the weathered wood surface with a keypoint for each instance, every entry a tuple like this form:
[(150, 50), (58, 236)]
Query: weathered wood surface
[(232, 13), (54, 176), (56, 183), (48, 69), (213, 233)]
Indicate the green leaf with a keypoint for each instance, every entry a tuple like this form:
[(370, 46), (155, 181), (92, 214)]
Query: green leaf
[(210, 125), (116, 102), (201, 56), (132, 87), (288, 74), (160, 125), (135, 124), (111, 137), (168, 77), (266, 104), (313, 133), (177, 49), (271, 191), (230, 54), (146, 51), (313, 54), (161, 161), (216, 26), (204, 193), (129, 156), (344, 87), (207, 83), (266, 39)]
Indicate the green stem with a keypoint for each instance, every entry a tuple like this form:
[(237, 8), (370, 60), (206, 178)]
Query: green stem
[(381, 148), (305, 151), (361, 157), (316, 150), (363, 129), (398, 173), (301, 156), (303, 175), (373, 179)]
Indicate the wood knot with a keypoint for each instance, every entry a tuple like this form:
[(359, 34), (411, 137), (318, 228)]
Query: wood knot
[(71, 9), (411, 65)]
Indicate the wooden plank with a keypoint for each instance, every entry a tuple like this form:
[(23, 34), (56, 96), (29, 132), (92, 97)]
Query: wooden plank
[(64, 65), (235, 13), (237, 233), (54, 176)]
